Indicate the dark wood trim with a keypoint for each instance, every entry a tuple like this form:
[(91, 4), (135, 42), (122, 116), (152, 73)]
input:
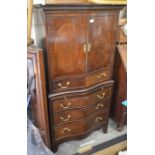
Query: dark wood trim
[(41, 112), (83, 90), (88, 6)]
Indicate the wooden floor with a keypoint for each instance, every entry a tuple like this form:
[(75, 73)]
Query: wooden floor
[(113, 150)]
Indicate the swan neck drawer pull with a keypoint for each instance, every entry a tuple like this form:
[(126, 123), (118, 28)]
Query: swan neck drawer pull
[(101, 75), (64, 87), (65, 119), (65, 107), (64, 130), (68, 104), (101, 97), (99, 105), (98, 119)]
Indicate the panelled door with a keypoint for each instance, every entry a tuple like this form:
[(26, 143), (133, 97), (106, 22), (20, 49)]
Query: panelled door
[(101, 40), (67, 37)]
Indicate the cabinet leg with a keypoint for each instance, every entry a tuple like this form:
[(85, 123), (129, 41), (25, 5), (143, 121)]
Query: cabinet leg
[(105, 128), (119, 127), (54, 148)]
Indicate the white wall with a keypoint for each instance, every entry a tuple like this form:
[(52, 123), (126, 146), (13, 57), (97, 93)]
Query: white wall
[(33, 31), (38, 1)]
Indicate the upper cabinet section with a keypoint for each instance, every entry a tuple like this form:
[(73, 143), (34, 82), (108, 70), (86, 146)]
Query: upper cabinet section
[(80, 44)]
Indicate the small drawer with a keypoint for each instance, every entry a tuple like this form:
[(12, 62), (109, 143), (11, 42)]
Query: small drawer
[(98, 77), (84, 99), (69, 130), (67, 84), (81, 127), (71, 116), (100, 118), (79, 114), (101, 94), (101, 106), (68, 102)]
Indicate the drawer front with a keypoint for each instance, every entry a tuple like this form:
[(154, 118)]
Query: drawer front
[(67, 84), (79, 114), (78, 128), (98, 77), (79, 82), (82, 100), (68, 103), (101, 94)]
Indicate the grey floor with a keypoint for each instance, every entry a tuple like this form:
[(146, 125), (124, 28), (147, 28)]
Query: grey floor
[(97, 137)]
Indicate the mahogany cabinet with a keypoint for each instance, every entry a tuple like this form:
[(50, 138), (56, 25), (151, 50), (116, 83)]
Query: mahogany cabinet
[(79, 44)]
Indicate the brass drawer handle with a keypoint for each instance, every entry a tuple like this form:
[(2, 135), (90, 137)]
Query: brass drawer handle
[(65, 130), (98, 119), (65, 107), (65, 119), (101, 97), (101, 75), (68, 104), (64, 87), (99, 105)]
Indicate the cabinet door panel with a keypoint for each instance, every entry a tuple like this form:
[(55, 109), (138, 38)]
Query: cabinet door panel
[(101, 41), (67, 35)]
